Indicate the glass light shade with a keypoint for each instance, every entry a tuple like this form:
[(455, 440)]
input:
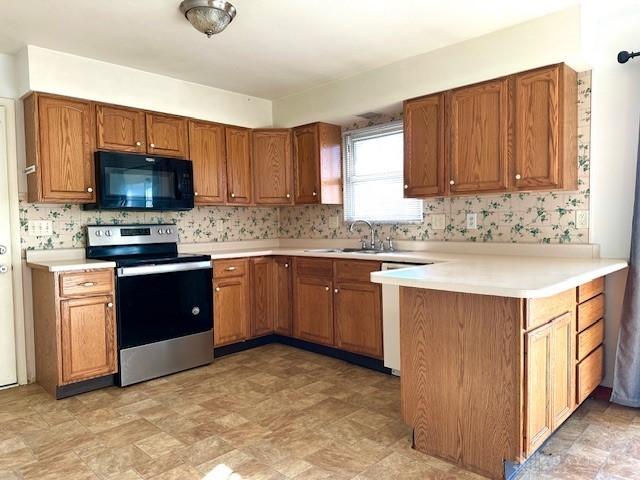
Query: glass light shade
[(208, 20)]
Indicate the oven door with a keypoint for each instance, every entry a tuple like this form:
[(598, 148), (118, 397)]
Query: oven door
[(142, 182), (162, 302)]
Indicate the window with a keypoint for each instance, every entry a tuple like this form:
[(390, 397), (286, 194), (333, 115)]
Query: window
[(373, 181)]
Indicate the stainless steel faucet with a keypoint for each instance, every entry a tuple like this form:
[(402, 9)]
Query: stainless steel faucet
[(372, 237)]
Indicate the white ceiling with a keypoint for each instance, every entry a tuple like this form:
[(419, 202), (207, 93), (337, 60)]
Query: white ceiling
[(272, 49)]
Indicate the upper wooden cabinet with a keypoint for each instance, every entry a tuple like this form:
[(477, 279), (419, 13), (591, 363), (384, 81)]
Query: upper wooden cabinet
[(318, 164), (166, 135), (119, 128), (509, 134), (238, 141), (478, 128), (545, 147), (60, 141), (424, 126), (272, 166), (207, 151)]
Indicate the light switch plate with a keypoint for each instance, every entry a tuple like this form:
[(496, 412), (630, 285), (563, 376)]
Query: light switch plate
[(472, 221), (582, 218), (438, 221), (40, 228)]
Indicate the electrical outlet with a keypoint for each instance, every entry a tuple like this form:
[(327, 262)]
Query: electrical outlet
[(472, 221), (438, 221), (219, 227), (582, 218), (40, 228)]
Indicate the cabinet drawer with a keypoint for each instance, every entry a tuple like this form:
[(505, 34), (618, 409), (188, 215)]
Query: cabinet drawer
[(355, 271), (589, 374), (314, 267), (229, 268), (86, 283), (590, 312), (590, 289), (589, 339), (541, 310)]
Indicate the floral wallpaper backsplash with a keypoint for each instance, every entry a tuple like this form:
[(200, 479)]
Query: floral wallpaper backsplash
[(202, 224), (541, 217)]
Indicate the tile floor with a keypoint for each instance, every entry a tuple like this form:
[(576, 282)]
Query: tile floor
[(270, 413)]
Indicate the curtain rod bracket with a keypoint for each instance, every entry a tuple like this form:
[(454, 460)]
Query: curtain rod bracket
[(624, 56)]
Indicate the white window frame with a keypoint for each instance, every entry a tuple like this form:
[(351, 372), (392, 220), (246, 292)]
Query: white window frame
[(348, 139)]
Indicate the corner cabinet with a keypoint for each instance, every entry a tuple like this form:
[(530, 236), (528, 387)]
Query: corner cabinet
[(60, 141), (272, 166), (74, 327), (284, 296), (263, 294), (318, 164)]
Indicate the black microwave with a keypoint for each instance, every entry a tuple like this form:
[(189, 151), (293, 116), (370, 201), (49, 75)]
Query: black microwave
[(126, 181)]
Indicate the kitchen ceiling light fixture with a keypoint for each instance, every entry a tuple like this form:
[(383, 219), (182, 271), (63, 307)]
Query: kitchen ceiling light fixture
[(208, 16)]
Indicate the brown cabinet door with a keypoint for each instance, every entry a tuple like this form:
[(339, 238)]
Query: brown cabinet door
[(424, 128), (536, 155), (67, 139), (358, 318), (478, 127), (88, 338), (283, 296), (166, 135), (238, 142), (232, 310), (121, 129), (263, 289), (307, 164), (272, 166), (563, 368), (207, 151), (538, 387), (313, 317)]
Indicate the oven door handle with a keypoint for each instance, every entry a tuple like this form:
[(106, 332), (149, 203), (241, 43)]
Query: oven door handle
[(166, 268)]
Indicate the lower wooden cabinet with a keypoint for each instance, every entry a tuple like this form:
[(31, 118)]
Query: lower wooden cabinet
[(263, 295), (88, 335), (284, 296), (74, 326), (231, 300), (313, 309), (549, 378)]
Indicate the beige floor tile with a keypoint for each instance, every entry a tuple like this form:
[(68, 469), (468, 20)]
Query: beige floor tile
[(159, 444)]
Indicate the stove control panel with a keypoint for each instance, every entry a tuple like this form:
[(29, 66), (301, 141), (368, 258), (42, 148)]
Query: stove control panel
[(104, 235)]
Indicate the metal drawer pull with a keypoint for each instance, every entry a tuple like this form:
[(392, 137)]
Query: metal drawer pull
[(90, 190), (217, 289), (326, 289), (110, 305), (88, 284), (138, 144), (286, 265), (153, 145), (335, 290), (229, 269)]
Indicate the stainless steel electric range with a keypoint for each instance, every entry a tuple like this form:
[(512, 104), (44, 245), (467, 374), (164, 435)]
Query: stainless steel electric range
[(164, 299)]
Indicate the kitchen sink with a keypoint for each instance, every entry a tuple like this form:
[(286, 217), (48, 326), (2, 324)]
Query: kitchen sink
[(323, 250), (360, 250)]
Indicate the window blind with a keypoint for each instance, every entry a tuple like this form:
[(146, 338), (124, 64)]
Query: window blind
[(373, 180)]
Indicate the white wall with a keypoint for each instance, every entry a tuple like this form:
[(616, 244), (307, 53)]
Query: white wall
[(550, 39), (8, 78), (609, 27), (56, 72)]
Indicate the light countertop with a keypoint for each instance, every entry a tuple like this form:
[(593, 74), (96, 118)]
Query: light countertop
[(500, 275), (519, 277)]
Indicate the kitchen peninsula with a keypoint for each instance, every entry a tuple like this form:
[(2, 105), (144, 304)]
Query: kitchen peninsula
[(497, 352)]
